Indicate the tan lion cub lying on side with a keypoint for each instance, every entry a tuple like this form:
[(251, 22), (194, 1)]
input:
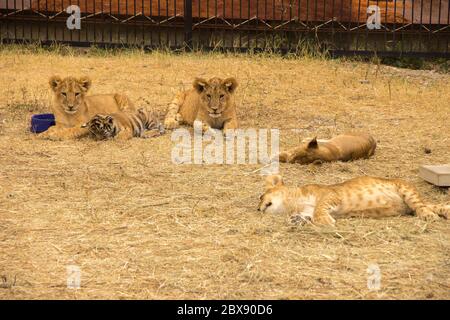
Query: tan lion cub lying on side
[(344, 147), (363, 196)]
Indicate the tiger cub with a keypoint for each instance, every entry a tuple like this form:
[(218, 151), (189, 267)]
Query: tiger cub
[(364, 197), (344, 147), (125, 125)]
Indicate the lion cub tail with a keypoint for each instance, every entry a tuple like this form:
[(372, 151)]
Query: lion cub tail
[(372, 145)]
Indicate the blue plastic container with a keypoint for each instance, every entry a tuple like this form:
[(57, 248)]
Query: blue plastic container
[(41, 122)]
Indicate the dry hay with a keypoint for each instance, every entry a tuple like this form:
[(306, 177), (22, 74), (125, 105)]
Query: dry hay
[(141, 227)]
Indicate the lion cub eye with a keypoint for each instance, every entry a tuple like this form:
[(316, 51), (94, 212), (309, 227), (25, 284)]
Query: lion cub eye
[(208, 96), (64, 94), (77, 94), (269, 204), (222, 96)]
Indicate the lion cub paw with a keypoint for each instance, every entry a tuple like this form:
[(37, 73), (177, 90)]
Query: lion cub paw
[(205, 129), (283, 157), (49, 136), (152, 134), (324, 220), (427, 214), (299, 220), (444, 211), (213, 132), (171, 123), (179, 118)]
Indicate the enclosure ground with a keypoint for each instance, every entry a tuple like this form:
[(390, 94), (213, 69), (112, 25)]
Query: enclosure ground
[(139, 226)]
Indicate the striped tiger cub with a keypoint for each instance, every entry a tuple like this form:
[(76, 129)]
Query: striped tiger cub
[(125, 125)]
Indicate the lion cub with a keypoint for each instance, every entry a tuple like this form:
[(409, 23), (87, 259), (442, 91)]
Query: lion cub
[(344, 147), (72, 107), (211, 102), (363, 196)]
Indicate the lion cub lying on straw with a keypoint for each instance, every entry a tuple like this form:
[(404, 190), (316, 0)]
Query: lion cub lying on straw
[(210, 102), (345, 147), (72, 107), (123, 125), (363, 196)]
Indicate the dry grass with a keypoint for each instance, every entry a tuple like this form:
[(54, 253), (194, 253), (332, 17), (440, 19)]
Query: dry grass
[(142, 227)]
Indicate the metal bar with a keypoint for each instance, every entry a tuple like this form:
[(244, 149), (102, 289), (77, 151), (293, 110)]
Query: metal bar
[(159, 23), (357, 22), (15, 21), (395, 20), (39, 25), (412, 25), (215, 22), (385, 29), (167, 17), (188, 23), (126, 17), (248, 31), (5, 17), (119, 38), (135, 25), (103, 16), (142, 24), (79, 31), (94, 18), (175, 14), (110, 23), (240, 20), (54, 24), (448, 23), (421, 24), (273, 23), (151, 15)]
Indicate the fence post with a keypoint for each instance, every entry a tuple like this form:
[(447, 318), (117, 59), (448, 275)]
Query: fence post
[(188, 24)]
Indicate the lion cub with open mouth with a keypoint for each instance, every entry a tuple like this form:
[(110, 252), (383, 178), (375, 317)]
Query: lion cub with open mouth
[(344, 147), (363, 197)]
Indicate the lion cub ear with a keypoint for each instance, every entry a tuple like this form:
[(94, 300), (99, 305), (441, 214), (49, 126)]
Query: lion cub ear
[(200, 84), (313, 144), (274, 181), (231, 84), (54, 82), (85, 83)]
